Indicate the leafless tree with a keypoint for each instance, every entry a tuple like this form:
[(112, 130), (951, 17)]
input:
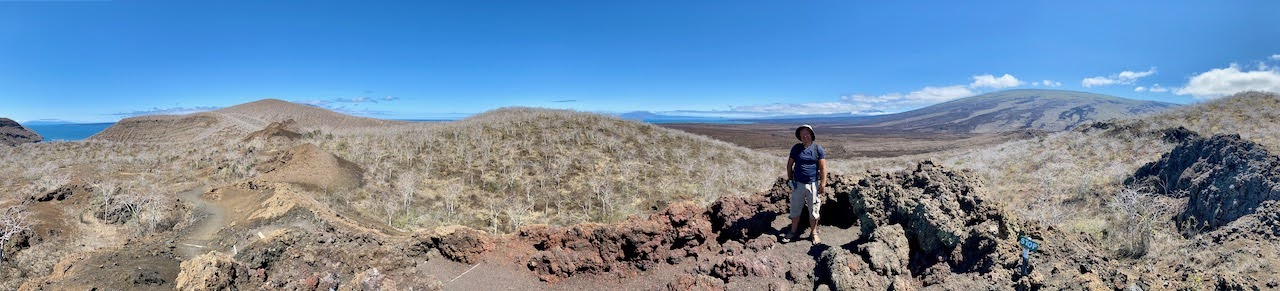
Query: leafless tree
[(407, 186), (1138, 217), (12, 222), (107, 190)]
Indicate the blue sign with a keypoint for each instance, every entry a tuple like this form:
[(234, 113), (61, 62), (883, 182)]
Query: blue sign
[(1028, 243)]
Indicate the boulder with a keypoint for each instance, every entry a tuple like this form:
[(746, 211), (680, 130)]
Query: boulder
[(458, 243), (847, 271), (212, 271), (888, 252)]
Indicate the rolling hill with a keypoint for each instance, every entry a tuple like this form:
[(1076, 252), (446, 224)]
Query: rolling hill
[(977, 121), (563, 200), (234, 121), (1011, 110), (12, 133)]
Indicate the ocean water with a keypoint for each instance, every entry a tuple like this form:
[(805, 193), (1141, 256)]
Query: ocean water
[(69, 131)]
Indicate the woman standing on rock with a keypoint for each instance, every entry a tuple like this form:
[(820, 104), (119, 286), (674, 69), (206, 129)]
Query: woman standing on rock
[(806, 174)]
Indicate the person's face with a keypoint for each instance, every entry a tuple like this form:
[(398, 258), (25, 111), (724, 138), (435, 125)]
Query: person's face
[(806, 135)]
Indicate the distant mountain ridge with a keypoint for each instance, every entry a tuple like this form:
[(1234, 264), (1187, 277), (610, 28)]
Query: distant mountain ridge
[(48, 122), (231, 122), (1011, 110), (1003, 111)]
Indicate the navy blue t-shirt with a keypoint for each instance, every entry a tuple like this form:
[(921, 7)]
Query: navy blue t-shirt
[(806, 167)]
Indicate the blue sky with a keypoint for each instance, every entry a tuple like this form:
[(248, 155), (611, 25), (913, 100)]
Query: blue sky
[(93, 61)]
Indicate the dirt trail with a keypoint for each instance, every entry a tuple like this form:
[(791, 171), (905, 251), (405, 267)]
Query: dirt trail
[(209, 219)]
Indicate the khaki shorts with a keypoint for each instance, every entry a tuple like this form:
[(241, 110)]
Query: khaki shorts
[(806, 195)]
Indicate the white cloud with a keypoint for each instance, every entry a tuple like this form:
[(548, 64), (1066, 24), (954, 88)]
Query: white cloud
[(927, 94), (885, 103), (855, 104), (992, 81), (314, 102), (777, 109), (361, 99), (1125, 77), (897, 102), (1050, 83), (1230, 80), (1096, 81), (167, 111), (1156, 88), (1275, 57)]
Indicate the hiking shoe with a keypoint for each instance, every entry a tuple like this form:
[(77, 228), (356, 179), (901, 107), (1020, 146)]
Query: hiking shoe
[(816, 240), (785, 238)]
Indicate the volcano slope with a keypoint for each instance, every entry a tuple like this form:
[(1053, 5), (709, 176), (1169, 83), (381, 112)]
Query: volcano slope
[(967, 123), (264, 222), (931, 228), (125, 209)]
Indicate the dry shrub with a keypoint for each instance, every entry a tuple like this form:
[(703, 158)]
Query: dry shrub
[(1048, 209), (150, 212), (509, 167), (1139, 217)]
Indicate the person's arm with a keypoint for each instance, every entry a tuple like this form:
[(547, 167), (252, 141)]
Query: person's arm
[(791, 174), (822, 175)]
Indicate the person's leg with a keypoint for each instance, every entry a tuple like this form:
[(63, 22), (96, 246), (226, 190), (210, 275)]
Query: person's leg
[(795, 225), (815, 205), (797, 203), (814, 221)]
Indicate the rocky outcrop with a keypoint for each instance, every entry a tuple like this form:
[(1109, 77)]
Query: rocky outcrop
[(1262, 225), (458, 243), (918, 227), (741, 218), (1135, 128), (745, 265), (1224, 177), (12, 133), (944, 216), (639, 243)]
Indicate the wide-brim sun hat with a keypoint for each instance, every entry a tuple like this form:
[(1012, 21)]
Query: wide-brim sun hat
[(811, 132)]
